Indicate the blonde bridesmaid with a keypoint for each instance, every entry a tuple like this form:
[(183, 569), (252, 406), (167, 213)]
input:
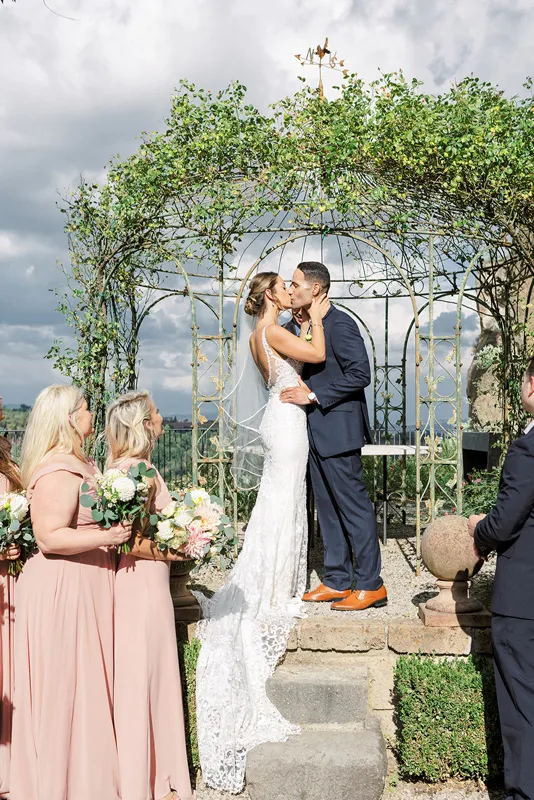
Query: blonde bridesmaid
[(149, 718), (63, 737), (10, 481)]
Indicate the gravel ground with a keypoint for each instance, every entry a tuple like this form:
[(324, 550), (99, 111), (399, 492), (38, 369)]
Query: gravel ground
[(405, 592), (405, 589)]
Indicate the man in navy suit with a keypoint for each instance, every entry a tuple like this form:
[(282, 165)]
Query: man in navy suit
[(509, 529), (338, 427)]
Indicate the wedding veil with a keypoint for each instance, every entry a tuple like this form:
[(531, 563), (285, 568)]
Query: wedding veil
[(244, 401)]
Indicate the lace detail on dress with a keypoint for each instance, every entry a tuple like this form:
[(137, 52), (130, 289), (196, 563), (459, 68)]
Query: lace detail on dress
[(284, 370), (247, 622)]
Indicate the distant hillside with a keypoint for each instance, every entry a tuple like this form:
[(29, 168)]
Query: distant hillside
[(15, 418)]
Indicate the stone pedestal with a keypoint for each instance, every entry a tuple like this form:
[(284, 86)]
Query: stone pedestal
[(186, 606), (453, 608), (448, 553)]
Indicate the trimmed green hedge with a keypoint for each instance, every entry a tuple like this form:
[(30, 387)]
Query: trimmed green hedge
[(447, 719), (188, 653)]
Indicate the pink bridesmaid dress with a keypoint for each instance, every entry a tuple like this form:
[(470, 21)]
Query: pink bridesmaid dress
[(149, 717), (63, 737), (7, 619)]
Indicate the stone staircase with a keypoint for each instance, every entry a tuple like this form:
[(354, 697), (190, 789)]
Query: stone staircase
[(341, 752)]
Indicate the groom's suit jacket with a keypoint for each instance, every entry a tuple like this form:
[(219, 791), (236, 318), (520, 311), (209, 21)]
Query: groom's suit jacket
[(340, 422), (509, 529)]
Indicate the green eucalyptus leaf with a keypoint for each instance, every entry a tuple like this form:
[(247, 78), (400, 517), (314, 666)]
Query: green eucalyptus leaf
[(87, 501)]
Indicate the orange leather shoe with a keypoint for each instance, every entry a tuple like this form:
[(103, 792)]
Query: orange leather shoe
[(323, 593), (361, 599)]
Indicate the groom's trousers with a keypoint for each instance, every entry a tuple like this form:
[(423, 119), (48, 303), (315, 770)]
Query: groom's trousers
[(513, 656), (347, 520)]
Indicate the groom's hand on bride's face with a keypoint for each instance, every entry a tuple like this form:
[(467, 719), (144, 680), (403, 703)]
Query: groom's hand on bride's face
[(298, 395)]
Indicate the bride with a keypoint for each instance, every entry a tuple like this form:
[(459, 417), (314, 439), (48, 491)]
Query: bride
[(247, 622)]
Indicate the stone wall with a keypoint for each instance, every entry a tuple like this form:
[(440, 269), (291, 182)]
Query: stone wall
[(377, 645)]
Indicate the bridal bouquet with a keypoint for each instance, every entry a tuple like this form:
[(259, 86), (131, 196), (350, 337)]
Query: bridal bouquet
[(121, 496), (195, 525), (16, 528)]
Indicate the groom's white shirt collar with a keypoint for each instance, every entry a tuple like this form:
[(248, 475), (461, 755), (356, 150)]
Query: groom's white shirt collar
[(529, 426)]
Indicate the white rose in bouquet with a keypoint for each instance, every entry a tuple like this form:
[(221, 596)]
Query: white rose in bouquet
[(111, 475), (183, 516), (125, 488), (199, 496), (19, 507), (169, 509), (165, 530)]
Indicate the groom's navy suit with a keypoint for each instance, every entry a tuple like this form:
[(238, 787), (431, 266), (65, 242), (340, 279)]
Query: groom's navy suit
[(509, 529), (338, 427)]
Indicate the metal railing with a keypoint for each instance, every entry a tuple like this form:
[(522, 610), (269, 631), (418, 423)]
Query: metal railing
[(381, 437), (173, 454)]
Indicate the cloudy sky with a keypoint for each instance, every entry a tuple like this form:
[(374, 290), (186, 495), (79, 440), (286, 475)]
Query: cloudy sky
[(76, 92)]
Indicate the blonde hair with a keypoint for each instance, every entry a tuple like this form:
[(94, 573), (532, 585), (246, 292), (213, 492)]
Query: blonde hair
[(52, 428), (127, 434), (255, 302)]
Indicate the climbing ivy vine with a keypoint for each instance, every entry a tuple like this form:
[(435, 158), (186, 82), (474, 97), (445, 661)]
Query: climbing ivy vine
[(384, 158)]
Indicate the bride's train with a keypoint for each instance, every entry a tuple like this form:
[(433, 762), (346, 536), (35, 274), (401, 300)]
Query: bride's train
[(247, 623)]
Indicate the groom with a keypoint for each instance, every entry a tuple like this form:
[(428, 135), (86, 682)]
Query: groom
[(338, 427)]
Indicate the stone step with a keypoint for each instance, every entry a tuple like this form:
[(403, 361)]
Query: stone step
[(344, 764), (307, 694)]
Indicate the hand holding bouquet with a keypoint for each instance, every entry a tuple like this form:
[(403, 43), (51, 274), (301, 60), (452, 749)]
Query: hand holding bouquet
[(121, 496), (16, 530), (194, 525)]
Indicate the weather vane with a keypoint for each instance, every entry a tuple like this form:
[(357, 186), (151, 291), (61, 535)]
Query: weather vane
[(332, 62)]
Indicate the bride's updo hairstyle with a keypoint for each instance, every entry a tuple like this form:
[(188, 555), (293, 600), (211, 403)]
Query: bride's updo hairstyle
[(127, 431), (261, 283)]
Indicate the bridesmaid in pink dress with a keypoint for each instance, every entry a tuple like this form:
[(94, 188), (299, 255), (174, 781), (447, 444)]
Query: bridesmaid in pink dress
[(63, 737), (10, 481), (149, 717)]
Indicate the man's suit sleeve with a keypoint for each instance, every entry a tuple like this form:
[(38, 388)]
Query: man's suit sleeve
[(515, 500), (351, 354)]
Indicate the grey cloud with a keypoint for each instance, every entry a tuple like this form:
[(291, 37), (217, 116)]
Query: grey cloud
[(84, 91)]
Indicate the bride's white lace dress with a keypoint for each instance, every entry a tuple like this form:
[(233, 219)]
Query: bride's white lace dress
[(247, 623)]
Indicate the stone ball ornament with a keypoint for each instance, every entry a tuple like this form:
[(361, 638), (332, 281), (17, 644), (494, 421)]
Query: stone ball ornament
[(447, 549), (448, 553)]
